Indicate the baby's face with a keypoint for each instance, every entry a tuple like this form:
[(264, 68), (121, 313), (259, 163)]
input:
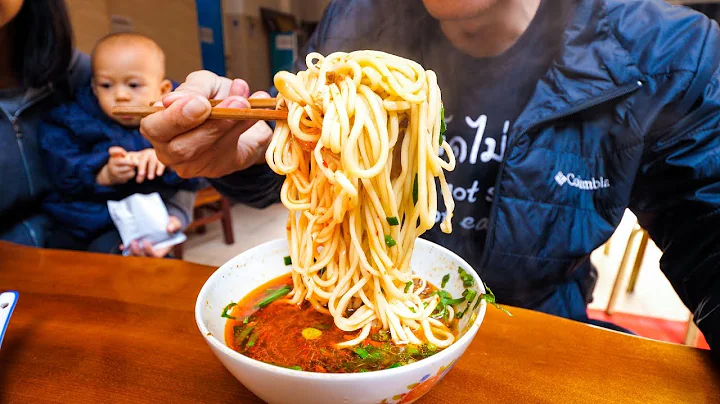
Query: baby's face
[(129, 73)]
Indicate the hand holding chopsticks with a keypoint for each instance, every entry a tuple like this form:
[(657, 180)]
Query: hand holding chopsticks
[(220, 113)]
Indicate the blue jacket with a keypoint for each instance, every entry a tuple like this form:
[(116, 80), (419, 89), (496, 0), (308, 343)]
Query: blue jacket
[(74, 141), (628, 116), (22, 174)]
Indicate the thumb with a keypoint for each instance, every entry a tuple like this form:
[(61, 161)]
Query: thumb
[(181, 116)]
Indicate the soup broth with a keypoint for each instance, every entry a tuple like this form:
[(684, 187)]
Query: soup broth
[(265, 327)]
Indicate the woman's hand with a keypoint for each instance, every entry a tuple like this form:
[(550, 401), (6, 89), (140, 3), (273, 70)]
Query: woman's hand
[(193, 146)]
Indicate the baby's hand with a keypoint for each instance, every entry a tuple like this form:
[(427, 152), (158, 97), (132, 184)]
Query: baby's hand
[(118, 170), (143, 248), (148, 165)]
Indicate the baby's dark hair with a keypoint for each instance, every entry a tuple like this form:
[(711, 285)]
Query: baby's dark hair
[(128, 36)]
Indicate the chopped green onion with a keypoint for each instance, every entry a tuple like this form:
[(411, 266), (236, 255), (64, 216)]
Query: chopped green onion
[(362, 370), (467, 279), (412, 349), (393, 221), (431, 347), (225, 311), (395, 365), (490, 298), (295, 367), (380, 337), (445, 280), (251, 341), (240, 337), (376, 355), (469, 295), (389, 241), (288, 260), (407, 286), (361, 352), (321, 272), (443, 127), (311, 333), (247, 319), (274, 296), (412, 309), (415, 190), (477, 303), (425, 304)]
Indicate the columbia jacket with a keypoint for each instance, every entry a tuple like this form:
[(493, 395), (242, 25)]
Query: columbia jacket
[(22, 173)]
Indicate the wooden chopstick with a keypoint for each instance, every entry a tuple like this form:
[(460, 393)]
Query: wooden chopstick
[(254, 102), (237, 114)]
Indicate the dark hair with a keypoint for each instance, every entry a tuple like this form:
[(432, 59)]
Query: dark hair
[(43, 42)]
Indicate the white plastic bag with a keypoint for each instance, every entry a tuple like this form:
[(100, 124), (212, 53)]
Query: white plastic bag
[(143, 217)]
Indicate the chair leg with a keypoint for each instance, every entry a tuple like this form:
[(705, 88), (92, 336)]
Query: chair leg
[(691, 335), (638, 261), (610, 308), (227, 221), (179, 250), (606, 250)]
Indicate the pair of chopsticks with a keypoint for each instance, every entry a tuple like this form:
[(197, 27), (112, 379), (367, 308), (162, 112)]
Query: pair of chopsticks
[(238, 114)]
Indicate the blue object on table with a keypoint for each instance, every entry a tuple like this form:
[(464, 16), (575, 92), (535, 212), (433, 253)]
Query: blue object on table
[(8, 300)]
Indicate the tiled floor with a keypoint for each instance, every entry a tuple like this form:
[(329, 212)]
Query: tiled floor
[(653, 298)]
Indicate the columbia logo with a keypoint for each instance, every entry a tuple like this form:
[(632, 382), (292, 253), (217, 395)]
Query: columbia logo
[(572, 180), (560, 178)]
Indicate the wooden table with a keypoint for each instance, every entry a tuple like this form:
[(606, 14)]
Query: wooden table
[(95, 328)]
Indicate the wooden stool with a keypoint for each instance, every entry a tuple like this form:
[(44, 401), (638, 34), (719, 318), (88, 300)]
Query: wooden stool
[(210, 206)]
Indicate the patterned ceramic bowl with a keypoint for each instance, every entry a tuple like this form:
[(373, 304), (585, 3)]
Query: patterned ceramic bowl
[(274, 384)]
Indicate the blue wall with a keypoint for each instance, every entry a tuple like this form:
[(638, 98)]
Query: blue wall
[(210, 30)]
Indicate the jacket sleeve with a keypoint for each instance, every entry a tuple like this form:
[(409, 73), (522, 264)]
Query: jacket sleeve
[(71, 169), (677, 191), (181, 206), (257, 186)]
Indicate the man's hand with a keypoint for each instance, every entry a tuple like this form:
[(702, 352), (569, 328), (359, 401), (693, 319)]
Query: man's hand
[(118, 170), (193, 146)]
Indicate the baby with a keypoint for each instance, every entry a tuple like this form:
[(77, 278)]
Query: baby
[(93, 156)]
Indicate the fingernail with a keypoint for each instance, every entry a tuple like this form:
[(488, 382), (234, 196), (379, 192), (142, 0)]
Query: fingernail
[(239, 104), (194, 108)]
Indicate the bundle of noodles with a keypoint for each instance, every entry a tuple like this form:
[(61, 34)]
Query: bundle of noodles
[(360, 152)]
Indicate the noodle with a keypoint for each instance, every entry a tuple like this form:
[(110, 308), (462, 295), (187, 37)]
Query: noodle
[(360, 152)]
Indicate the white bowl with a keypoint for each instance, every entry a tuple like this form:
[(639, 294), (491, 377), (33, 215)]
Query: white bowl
[(405, 384)]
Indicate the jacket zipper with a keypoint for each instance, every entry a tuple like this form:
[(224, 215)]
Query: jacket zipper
[(18, 133), (609, 96)]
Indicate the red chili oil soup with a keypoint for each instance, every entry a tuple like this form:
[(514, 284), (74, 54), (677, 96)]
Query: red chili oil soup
[(266, 327)]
